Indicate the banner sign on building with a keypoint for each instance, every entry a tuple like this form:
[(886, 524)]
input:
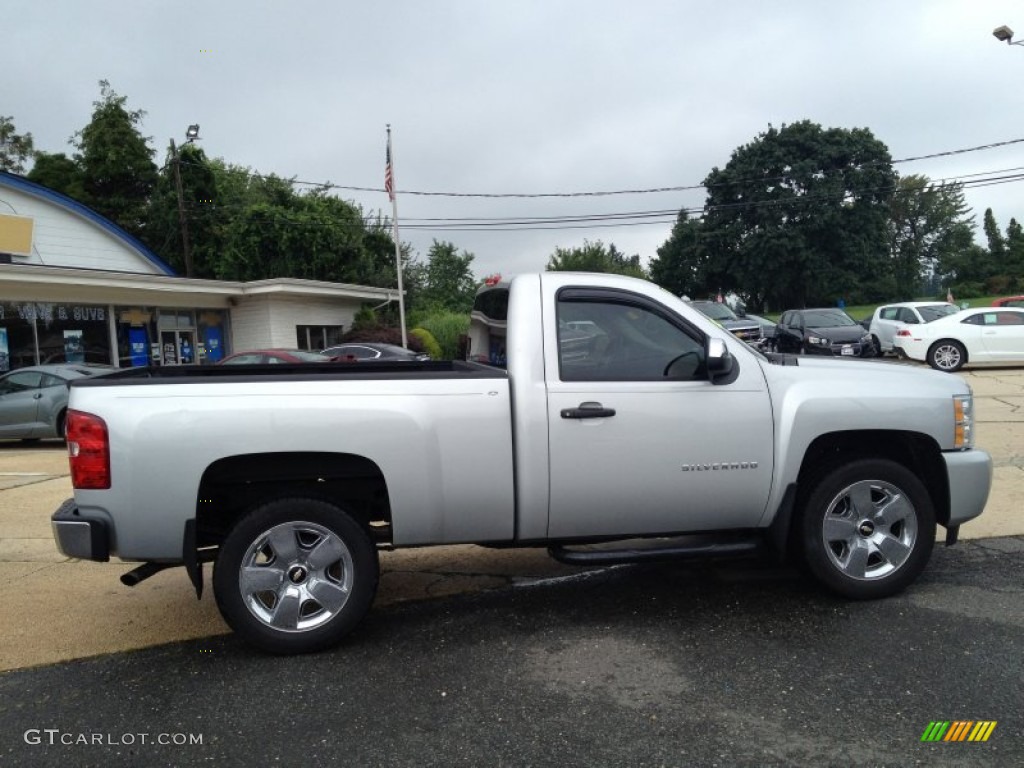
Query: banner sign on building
[(16, 234)]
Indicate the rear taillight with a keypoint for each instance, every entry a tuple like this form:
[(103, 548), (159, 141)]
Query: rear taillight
[(904, 332), (88, 451)]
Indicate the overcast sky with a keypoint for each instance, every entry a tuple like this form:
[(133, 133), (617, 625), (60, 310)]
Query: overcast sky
[(530, 96)]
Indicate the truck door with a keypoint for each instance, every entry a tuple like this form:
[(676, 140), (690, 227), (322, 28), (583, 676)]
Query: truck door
[(640, 440)]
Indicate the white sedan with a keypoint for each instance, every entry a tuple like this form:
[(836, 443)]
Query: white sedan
[(973, 336)]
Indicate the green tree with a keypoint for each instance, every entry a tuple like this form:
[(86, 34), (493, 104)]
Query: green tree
[(118, 174), (448, 279), (200, 199), (1015, 252), (928, 224), (59, 173), (799, 216), (595, 257), (681, 264), (15, 148), (996, 243)]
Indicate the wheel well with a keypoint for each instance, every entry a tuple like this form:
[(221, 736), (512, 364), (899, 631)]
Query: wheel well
[(232, 486), (917, 452)]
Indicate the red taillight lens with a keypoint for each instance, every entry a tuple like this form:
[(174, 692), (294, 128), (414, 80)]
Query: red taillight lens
[(903, 332), (88, 451)]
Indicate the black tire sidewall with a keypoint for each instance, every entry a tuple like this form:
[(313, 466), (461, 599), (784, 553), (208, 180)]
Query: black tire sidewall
[(366, 574), (825, 488)]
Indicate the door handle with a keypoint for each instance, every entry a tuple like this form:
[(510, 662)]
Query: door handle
[(37, 396), (588, 410)]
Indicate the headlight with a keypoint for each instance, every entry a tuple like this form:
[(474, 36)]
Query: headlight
[(865, 338), (818, 340), (963, 421)]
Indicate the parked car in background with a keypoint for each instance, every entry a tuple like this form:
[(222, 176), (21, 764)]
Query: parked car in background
[(826, 331), (972, 336), (889, 318), (1009, 301), (745, 329), (364, 351), (34, 400), (258, 356), (767, 328)]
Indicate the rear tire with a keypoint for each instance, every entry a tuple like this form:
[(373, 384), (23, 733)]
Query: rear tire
[(867, 528), (295, 576), (62, 419), (947, 355)]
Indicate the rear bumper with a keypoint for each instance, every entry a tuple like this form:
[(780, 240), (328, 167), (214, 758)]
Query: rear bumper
[(79, 536), (970, 479)]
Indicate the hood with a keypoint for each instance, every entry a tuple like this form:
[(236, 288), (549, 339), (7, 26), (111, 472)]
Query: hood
[(739, 325)]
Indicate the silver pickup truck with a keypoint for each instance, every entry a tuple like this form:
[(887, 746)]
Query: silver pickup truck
[(598, 416)]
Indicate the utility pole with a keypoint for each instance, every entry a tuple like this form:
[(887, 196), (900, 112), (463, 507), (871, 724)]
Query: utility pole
[(181, 210)]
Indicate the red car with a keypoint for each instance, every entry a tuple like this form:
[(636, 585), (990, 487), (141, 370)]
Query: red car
[(256, 356), (1009, 301)]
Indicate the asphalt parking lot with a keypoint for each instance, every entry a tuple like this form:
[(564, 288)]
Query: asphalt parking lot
[(490, 657)]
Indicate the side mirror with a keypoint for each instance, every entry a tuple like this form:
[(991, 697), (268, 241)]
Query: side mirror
[(719, 360)]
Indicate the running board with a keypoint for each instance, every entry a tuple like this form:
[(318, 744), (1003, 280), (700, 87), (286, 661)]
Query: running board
[(686, 548)]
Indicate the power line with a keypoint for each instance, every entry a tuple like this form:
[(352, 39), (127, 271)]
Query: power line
[(608, 193)]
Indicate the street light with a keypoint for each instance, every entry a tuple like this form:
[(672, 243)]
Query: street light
[(1003, 34), (191, 134)]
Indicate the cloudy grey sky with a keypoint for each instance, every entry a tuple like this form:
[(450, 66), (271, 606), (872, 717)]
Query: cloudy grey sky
[(530, 96)]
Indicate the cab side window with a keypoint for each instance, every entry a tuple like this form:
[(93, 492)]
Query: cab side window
[(611, 340)]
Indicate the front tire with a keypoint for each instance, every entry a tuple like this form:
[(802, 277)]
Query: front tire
[(876, 346), (867, 529), (947, 355), (295, 576)]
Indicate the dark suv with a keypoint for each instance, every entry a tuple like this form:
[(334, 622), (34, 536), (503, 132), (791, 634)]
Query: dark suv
[(827, 331), (747, 330)]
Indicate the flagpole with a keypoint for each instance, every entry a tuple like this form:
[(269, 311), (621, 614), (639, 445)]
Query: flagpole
[(389, 184)]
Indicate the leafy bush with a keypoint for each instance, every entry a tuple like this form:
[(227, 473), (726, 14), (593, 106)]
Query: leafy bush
[(446, 328), (426, 338), (365, 320), (385, 336)]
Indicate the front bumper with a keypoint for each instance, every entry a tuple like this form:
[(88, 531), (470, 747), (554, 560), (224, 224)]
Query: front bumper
[(79, 536), (970, 480)]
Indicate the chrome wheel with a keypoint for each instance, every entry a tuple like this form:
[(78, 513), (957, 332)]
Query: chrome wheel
[(947, 356), (866, 527), (869, 530), (296, 576)]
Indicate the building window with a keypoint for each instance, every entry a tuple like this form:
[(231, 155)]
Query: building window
[(50, 332), (317, 337)]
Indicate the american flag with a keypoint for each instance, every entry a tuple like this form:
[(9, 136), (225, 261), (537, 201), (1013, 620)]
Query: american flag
[(389, 184)]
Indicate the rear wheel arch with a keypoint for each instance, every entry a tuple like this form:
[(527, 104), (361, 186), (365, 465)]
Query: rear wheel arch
[(233, 486)]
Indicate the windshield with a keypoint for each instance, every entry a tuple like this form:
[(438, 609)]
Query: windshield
[(827, 318), (935, 311)]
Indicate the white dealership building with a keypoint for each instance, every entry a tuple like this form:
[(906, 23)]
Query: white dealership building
[(74, 287)]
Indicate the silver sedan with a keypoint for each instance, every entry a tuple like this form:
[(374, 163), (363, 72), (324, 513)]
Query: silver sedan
[(34, 400)]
